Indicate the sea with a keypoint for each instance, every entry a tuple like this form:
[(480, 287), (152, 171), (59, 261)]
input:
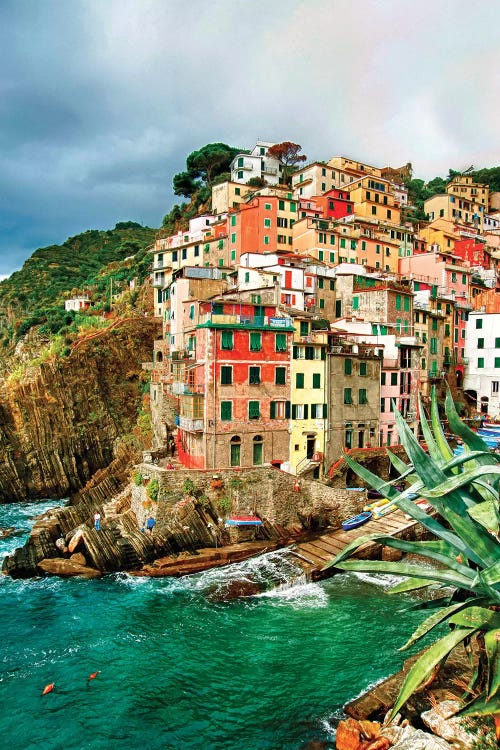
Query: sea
[(178, 669)]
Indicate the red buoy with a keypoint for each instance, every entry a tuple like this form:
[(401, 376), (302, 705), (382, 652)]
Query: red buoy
[(49, 688), (93, 675)]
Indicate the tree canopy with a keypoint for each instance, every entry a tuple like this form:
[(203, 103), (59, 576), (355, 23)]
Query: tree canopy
[(288, 154), (203, 166)]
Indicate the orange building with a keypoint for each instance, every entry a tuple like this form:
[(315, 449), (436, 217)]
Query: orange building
[(263, 225)]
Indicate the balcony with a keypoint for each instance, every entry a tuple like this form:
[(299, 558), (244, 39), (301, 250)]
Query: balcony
[(187, 389), (190, 425), (434, 375), (261, 321), (269, 170)]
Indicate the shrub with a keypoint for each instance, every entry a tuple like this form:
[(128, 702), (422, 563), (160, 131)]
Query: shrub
[(152, 490)]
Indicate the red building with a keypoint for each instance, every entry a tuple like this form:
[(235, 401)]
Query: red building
[(335, 204), (236, 405), (472, 251)]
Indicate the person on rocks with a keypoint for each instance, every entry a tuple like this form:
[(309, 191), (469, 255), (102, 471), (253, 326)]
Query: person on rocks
[(171, 446), (97, 521), (61, 545), (150, 524)]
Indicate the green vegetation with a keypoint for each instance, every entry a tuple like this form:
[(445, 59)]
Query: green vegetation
[(137, 478), (89, 263), (188, 487), (152, 489), (464, 557)]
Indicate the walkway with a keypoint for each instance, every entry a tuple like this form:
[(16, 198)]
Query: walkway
[(315, 553)]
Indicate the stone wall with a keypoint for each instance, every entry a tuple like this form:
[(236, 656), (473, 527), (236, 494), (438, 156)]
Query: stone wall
[(265, 491)]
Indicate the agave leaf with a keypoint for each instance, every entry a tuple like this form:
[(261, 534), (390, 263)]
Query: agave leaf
[(470, 438), (478, 618), (438, 428), (423, 667), (397, 462), (434, 450), (437, 575), (479, 707), (492, 645), (438, 530), (439, 551), (435, 619), (410, 584), (491, 575), (484, 545), (439, 603), (486, 514), (450, 484), (372, 479)]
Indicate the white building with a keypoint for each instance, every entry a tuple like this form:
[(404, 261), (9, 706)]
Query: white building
[(256, 164), (77, 303), (482, 350)]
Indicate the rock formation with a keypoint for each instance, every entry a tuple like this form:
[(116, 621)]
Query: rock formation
[(60, 421)]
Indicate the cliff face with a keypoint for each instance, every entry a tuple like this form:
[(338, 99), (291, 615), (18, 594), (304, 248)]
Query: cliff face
[(59, 423)]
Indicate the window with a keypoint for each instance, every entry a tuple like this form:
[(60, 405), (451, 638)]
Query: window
[(316, 380), (254, 410), (374, 210), (304, 328), (233, 237), (240, 177), (233, 220), (279, 410), (254, 375), (348, 366), (196, 251), (494, 386), (338, 308), (382, 378), (479, 322), (226, 375), (362, 368), (237, 191), (497, 343), (480, 343), (394, 378), (281, 205), (347, 395), (266, 239), (268, 207), (434, 324), (362, 398), (299, 379), (464, 279), (280, 342), (398, 302), (235, 450), (240, 161), (406, 304), (433, 347), (280, 376), (227, 340), (497, 362), (226, 411), (267, 223), (355, 303), (255, 341), (480, 362)]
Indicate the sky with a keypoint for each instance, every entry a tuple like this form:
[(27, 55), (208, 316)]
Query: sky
[(102, 100)]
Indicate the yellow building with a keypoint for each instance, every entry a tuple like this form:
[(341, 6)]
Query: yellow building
[(463, 186), (228, 195), (319, 239), (343, 164), (308, 398), (374, 198), (455, 209), (439, 235)]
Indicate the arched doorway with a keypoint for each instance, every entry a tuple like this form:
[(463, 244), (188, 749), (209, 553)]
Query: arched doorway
[(235, 451), (258, 450)]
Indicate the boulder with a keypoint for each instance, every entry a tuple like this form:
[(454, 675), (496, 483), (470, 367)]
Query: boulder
[(417, 739), (78, 558), (360, 735), (75, 540), (234, 590), (441, 721), (389, 554), (57, 566)]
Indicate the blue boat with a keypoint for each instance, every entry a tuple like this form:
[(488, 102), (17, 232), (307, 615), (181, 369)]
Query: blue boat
[(355, 521)]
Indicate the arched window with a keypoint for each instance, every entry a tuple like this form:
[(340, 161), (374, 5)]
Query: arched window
[(159, 356), (258, 450), (235, 458)]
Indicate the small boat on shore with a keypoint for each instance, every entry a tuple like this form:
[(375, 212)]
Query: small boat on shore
[(355, 521)]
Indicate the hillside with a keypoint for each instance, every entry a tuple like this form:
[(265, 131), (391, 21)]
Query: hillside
[(92, 262)]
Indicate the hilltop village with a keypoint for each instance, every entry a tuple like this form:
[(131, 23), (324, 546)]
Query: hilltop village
[(297, 317)]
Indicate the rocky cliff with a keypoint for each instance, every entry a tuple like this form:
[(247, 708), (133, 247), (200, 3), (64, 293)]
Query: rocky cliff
[(60, 421)]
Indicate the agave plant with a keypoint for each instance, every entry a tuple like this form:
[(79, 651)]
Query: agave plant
[(464, 556)]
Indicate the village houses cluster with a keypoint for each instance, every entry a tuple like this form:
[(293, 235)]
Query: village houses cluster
[(297, 317)]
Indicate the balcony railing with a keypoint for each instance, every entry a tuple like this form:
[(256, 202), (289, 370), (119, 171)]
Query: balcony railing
[(187, 389), (190, 425)]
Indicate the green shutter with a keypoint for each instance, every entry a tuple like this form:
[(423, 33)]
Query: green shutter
[(362, 368), (281, 342), (227, 340), (272, 410), (226, 410), (253, 409), (255, 341), (316, 380), (299, 380), (348, 367)]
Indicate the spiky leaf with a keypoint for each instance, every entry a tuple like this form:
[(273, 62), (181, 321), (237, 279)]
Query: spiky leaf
[(435, 619)]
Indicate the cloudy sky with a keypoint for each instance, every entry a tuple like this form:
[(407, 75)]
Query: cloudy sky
[(101, 100)]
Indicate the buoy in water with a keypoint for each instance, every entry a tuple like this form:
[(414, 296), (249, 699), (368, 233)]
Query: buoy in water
[(49, 688), (93, 675)]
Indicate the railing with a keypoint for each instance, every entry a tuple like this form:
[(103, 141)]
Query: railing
[(433, 374), (190, 425), (180, 389)]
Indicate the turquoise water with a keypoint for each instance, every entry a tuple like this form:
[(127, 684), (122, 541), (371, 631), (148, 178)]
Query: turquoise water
[(177, 670)]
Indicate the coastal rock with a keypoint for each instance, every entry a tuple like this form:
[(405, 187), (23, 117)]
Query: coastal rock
[(67, 568), (75, 540), (359, 735), (389, 554), (7, 532), (234, 590), (441, 721), (417, 739), (78, 558)]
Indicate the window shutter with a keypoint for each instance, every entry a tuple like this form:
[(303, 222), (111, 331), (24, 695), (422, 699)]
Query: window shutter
[(306, 411), (325, 411), (294, 411), (287, 409), (272, 410)]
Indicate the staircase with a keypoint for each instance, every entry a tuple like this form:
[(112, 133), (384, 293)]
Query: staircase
[(309, 464)]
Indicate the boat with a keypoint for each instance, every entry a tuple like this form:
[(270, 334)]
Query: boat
[(355, 521), (243, 521), (383, 510), (375, 504)]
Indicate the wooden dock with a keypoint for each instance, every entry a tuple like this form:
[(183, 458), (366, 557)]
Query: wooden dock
[(314, 553)]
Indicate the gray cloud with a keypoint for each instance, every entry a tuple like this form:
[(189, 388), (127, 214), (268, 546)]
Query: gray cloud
[(100, 102)]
